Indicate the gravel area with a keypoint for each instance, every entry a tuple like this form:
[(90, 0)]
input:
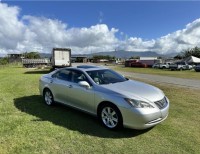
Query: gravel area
[(187, 83)]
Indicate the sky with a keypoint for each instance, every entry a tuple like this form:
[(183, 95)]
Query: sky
[(96, 26)]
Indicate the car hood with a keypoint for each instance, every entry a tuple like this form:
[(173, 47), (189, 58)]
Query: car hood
[(136, 90)]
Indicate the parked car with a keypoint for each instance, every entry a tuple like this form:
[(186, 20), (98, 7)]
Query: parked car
[(116, 100), (189, 67), (180, 66), (161, 65), (164, 65), (197, 68), (156, 65), (138, 64)]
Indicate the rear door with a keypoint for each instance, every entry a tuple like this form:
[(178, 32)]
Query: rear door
[(62, 58), (60, 85)]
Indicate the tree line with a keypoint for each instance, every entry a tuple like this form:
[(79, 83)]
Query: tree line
[(189, 52), (35, 55), (31, 55), (27, 55), (107, 57)]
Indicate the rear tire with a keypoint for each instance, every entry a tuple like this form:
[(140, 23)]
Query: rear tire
[(110, 116), (48, 97)]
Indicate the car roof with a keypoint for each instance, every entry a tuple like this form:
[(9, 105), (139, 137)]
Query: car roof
[(86, 68), (90, 67)]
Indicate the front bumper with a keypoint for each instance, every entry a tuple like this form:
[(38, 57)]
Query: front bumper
[(143, 118)]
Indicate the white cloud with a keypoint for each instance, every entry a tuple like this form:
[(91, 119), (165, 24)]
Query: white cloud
[(180, 40), (170, 43), (11, 28), (93, 39), (97, 37), (136, 44), (30, 33), (42, 34)]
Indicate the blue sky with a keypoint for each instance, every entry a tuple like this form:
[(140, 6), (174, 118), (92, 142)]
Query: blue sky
[(129, 24)]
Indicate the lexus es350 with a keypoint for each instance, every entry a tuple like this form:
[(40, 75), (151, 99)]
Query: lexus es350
[(114, 99)]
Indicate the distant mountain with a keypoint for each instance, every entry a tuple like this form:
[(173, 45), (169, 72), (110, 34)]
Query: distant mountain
[(119, 54), (128, 54), (45, 55)]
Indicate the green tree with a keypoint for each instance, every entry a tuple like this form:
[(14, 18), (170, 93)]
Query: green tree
[(107, 57), (135, 57), (4, 61), (179, 56), (31, 55), (190, 52)]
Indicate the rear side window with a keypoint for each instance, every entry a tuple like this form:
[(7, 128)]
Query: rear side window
[(63, 75)]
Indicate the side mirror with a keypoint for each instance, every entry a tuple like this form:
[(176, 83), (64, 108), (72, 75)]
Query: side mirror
[(84, 84), (125, 77)]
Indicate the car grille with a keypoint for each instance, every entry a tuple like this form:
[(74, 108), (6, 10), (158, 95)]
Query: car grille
[(162, 103)]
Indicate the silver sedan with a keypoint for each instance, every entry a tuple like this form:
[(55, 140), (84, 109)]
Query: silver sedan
[(116, 100)]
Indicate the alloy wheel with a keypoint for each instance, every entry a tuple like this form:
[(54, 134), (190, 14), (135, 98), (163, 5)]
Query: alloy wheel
[(109, 117), (48, 97)]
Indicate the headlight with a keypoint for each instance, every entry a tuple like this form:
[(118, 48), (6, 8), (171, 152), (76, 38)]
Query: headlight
[(138, 104)]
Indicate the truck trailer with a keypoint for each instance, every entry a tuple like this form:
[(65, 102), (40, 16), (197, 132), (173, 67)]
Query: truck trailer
[(31, 63)]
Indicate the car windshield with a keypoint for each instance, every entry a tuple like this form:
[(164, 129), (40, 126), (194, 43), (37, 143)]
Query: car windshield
[(105, 76)]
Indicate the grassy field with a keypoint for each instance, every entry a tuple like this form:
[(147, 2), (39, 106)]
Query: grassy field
[(188, 74), (27, 125)]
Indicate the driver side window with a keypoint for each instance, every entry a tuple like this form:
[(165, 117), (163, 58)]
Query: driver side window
[(78, 76)]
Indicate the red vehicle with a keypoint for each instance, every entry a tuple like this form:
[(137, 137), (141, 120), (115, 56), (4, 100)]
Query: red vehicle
[(138, 64)]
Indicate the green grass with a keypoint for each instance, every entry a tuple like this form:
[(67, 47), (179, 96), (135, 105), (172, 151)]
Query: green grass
[(187, 74), (27, 125)]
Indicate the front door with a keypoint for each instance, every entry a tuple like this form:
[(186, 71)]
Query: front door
[(81, 97)]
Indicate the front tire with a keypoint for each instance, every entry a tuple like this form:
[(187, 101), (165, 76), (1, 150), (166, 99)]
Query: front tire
[(48, 97), (110, 116)]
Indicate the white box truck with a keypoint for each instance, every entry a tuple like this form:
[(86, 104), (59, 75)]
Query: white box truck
[(61, 57)]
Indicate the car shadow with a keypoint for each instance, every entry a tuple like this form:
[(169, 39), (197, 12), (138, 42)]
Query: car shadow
[(70, 118)]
